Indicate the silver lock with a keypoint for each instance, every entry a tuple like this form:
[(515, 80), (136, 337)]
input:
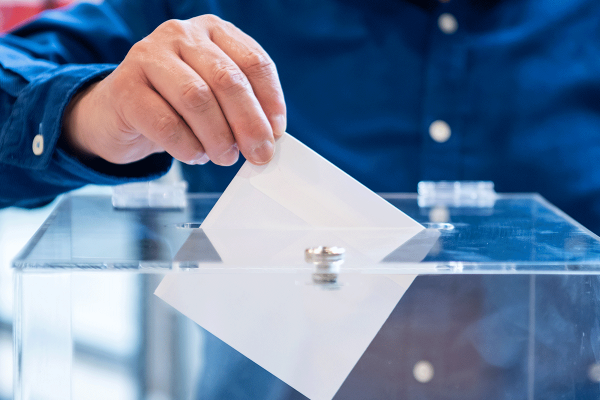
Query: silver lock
[(327, 261)]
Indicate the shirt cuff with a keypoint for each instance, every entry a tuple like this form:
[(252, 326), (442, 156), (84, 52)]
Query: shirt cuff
[(35, 123)]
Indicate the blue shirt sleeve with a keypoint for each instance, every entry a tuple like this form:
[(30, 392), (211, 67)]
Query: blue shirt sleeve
[(42, 65)]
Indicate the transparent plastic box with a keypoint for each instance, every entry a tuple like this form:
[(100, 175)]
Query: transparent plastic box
[(506, 304)]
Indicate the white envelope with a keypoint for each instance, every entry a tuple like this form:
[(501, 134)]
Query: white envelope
[(307, 336)]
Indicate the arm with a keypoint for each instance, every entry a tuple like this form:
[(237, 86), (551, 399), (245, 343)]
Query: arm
[(38, 93), (41, 67)]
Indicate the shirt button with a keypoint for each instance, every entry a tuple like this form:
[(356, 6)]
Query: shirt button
[(447, 23), (439, 131), (423, 371), (38, 145)]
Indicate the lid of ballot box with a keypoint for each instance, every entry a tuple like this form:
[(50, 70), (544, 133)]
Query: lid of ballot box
[(511, 233)]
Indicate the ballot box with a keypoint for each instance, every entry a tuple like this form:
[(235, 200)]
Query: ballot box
[(497, 296)]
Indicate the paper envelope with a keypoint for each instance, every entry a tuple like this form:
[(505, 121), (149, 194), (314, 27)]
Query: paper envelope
[(308, 337)]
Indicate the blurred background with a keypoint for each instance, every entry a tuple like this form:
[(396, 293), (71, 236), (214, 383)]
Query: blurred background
[(14, 12)]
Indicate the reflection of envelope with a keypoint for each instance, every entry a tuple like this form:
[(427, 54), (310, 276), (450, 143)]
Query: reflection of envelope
[(308, 337)]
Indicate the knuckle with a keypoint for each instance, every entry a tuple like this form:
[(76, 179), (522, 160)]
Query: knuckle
[(229, 79), (259, 127), (210, 19), (252, 128), (173, 27), (196, 96), (142, 54), (166, 127), (140, 49), (258, 63)]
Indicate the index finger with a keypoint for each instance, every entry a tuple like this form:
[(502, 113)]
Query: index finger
[(260, 70)]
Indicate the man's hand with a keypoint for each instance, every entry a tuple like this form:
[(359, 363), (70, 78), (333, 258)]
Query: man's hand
[(199, 89)]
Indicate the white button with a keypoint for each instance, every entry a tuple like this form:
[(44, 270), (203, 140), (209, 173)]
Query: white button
[(594, 373), (439, 131), (423, 371), (38, 145), (447, 23)]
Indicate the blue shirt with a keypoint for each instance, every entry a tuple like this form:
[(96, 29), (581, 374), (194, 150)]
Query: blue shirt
[(517, 82)]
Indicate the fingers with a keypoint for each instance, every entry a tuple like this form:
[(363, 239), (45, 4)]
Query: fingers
[(260, 70), (236, 98), (244, 81), (151, 114), (194, 101), (216, 91)]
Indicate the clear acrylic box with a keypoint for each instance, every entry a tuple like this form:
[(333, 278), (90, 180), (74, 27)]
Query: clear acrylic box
[(506, 304)]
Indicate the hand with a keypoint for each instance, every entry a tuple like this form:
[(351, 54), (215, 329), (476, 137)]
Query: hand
[(199, 89)]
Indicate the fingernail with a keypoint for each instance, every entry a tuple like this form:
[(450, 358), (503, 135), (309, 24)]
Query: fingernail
[(263, 152), (203, 159), (279, 125), (231, 156)]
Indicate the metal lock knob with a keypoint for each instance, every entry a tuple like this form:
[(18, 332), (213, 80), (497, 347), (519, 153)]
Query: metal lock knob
[(327, 261), (324, 254)]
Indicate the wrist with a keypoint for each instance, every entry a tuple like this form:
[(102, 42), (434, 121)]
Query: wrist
[(75, 131)]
